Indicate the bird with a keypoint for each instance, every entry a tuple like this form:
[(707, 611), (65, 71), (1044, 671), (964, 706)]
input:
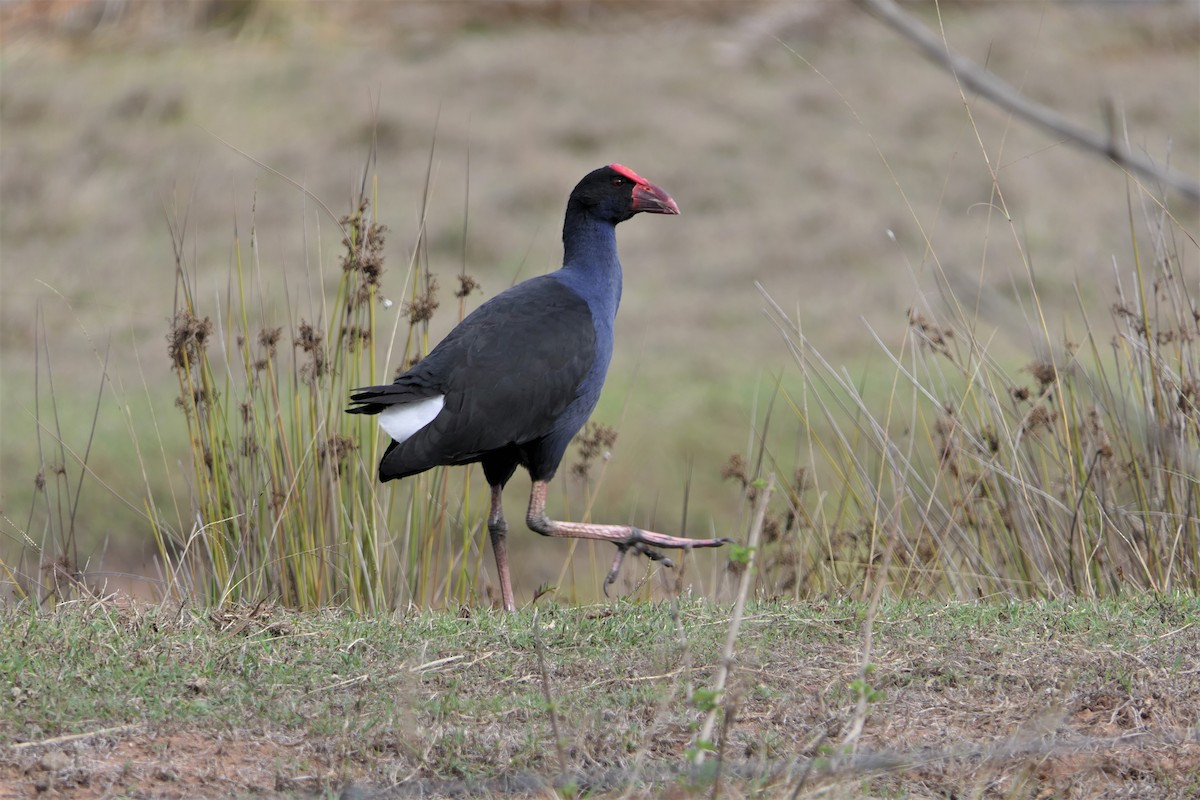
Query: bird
[(514, 382)]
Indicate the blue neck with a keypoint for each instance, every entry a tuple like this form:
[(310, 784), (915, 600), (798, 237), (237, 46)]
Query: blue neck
[(590, 264)]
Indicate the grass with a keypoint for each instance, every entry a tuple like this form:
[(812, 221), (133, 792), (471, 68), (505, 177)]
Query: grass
[(1079, 476), (1002, 439), (955, 473), (269, 440), (790, 194), (968, 480), (456, 697)]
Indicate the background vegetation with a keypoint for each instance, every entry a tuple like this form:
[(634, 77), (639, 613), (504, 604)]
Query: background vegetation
[(943, 281), (938, 353)]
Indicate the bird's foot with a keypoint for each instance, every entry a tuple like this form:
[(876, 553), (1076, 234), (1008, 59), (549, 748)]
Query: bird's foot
[(639, 541)]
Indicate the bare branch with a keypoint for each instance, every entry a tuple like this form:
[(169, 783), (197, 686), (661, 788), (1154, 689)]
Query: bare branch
[(1003, 94)]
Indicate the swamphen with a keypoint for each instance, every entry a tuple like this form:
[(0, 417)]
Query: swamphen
[(518, 377)]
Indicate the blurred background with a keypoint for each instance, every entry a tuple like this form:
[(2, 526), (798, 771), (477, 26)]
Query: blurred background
[(810, 149)]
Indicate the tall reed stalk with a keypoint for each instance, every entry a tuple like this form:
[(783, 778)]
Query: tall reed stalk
[(285, 497), (1076, 474)]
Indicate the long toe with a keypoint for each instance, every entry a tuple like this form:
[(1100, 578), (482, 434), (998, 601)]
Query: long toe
[(637, 535), (645, 543), (652, 554), (611, 578)]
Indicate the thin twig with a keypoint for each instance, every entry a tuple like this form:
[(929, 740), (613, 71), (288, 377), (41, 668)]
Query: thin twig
[(348, 682), (292, 182), (727, 720), (72, 737), (735, 622), (1108, 144)]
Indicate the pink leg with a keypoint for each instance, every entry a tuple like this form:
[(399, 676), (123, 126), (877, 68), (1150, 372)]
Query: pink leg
[(625, 537), (498, 530)]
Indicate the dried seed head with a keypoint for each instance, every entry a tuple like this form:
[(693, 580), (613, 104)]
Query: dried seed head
[(1043, 372), (364, 253), (991, 440), (422, 307), (466, 285), (309, 341), (355, 337), (931, 335), (1039, 417), (736, 469), (595, 441), (188, 338), (268, 338), (1094, 426), (198, 398), (335, 449)]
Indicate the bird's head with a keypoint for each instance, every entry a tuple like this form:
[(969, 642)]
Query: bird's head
[(615, 193)]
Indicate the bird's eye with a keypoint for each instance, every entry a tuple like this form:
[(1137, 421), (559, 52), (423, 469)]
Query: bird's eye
[(618, 181)]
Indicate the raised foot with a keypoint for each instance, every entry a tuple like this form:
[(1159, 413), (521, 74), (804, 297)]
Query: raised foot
[(643, 542)]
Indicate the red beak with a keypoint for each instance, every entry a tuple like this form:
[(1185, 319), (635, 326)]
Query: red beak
[(653, 199)]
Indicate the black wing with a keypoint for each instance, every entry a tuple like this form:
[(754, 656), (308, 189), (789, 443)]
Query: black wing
[(507, 372)]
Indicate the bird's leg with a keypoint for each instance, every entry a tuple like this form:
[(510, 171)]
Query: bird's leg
[(625, 537), (498, 530)]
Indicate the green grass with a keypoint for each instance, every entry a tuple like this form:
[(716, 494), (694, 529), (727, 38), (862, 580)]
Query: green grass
[(458, 696)]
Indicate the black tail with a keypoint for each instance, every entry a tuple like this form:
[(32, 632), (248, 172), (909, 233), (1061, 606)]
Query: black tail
[(366, 408), (374, 399), (361, 400)]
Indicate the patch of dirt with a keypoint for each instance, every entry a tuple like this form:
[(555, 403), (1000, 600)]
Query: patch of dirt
[(190, 764), (146, 763)]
